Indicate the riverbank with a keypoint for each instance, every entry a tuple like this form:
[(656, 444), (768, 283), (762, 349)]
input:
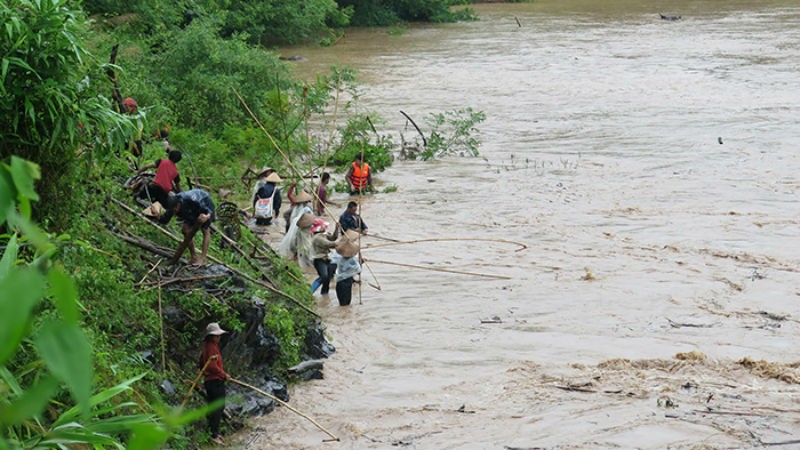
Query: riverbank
[(655, 185)]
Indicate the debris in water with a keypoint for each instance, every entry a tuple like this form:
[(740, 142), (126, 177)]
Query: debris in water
[(588, 276)]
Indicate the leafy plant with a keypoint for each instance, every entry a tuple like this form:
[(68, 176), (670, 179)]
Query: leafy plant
[(63, 349), (50, 105), (452, 133)]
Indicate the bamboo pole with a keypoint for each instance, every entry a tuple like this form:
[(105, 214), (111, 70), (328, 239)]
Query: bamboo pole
[(150, 271), (285, 157), (194, 383), (232, 269), (161, 326), (290, 407), (442, 269), (417, 241)]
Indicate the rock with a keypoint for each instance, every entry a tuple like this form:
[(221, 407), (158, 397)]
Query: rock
[(317, 346), (254, 404)]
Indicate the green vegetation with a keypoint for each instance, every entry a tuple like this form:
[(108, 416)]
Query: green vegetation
[(74, 364)]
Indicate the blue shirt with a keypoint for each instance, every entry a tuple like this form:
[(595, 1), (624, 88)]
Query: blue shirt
[(352, 222)]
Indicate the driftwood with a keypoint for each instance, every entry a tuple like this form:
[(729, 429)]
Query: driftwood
[(424, 141), (688, 325), (306, 365), (163, 283)]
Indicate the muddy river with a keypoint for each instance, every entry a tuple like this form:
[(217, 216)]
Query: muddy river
[(651, 169)]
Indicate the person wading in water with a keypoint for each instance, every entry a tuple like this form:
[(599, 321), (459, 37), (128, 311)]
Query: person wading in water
[(359, 176)]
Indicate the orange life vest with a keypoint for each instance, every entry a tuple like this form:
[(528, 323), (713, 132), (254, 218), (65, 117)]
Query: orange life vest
[(360, 176)]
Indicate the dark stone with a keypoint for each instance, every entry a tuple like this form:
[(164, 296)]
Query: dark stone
[(174, 316), (316, 345), (254, 347), (250, 402), (314, 374)]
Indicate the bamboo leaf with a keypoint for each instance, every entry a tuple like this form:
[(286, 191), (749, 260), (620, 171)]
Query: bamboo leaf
[(22, 290), (9, 259), (64, 293), (65, 350), (25, 173), (31, 403)]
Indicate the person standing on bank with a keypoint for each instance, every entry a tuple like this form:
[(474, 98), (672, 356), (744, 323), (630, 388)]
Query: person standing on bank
[(359, 176), (347, 266), (215, 377), (196, 210), (351, 220), (321, 245)]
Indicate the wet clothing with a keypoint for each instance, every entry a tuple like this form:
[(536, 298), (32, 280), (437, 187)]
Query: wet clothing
[(325, 270), (352, 222), (346, 270), (193, 203), (215, 390), (344, 291), (359, 178), (320, 247), (215, 376)]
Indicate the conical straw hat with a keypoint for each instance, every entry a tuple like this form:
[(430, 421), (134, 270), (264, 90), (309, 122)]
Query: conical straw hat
[(305, 221), (348, 244), (302, 197), (273, 178)]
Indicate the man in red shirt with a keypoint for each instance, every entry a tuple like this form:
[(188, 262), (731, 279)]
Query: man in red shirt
[(167, 178), (322, 194), (215, 377)]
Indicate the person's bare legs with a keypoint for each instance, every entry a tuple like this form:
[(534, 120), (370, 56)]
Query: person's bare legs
[(188, 235), (206, 241)]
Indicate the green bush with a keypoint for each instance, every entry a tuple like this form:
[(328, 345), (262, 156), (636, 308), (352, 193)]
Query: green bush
[(51, 111)]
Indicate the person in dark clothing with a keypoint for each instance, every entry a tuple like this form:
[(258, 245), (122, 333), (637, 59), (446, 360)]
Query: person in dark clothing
[(196, 210), (167, 178), (267, 199), (351, 220), (215, 377)]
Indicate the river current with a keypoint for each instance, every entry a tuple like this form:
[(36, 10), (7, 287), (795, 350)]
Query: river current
[(651, 169)]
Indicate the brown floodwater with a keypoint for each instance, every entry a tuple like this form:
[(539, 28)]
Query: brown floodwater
[(651, 169)]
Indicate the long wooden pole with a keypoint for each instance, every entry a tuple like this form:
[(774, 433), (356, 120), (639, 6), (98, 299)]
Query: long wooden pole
[(290, 407), (283, 154), (161, 326), (232, 269), (194, 383), (417, 241), (442, 269)]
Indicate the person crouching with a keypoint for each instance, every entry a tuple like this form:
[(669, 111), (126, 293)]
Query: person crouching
[(196, 210)]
